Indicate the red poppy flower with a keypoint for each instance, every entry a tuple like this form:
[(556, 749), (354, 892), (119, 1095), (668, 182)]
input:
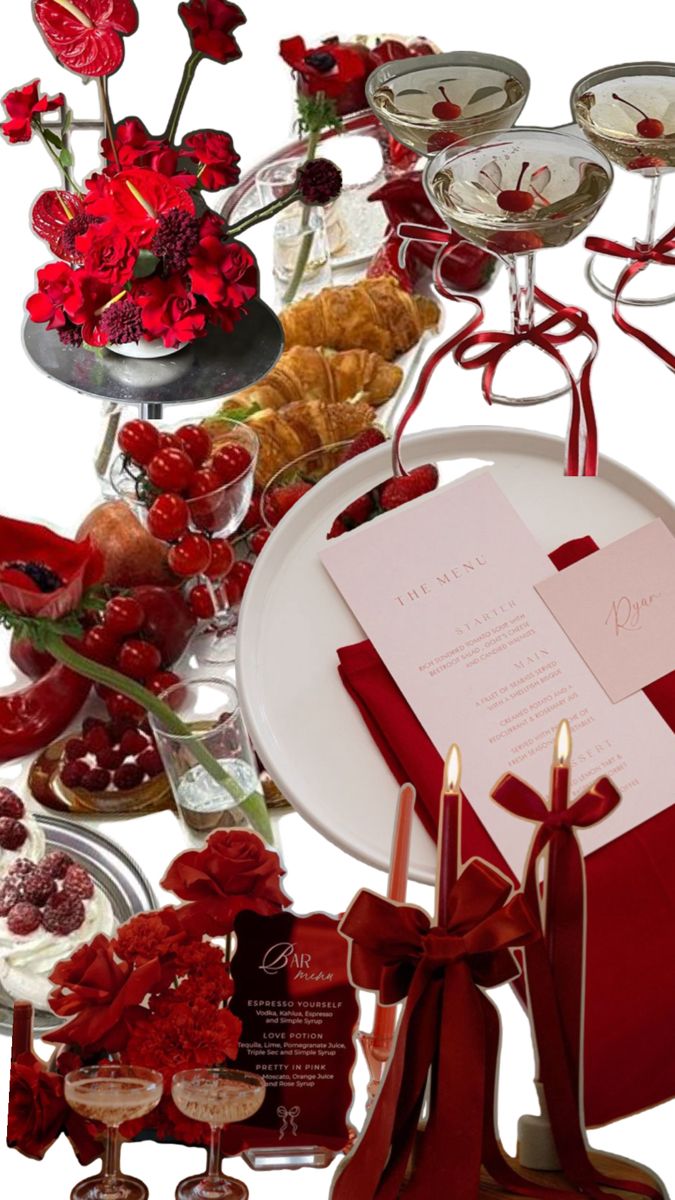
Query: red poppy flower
[(43, 574), (328, 69), (52, 218), (234, 871), (86, 35), (37, 1108), (210, 24), (133, 200), (169, 310), (103, 993), (216, 155), (56, 284), (87, 304), (22, 105), (108, 255)]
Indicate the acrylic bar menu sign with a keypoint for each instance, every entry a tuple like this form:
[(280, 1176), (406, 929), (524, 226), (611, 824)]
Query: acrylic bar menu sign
[(445, 589), (299, 1014)]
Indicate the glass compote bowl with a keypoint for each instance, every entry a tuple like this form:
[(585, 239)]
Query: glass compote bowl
[(629, 112), (217, 1097), (432, 102), (514, 194), (112, 1094)]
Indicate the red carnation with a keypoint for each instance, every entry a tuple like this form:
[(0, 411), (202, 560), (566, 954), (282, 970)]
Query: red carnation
[(150, 935), (216, 155), (37, 1109), (183, 1036), (329, 68), (56, 285), (86, 35), (210, 24), (22, 105), (169, 310)]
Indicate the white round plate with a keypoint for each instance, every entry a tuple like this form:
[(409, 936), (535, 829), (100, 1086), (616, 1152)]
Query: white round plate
[(305, 727)]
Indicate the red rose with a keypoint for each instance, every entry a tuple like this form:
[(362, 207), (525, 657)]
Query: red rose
[(234, 871), (329, 68), (37, 1109), (56, 285), (133, 199), (210, 24), (21, 106), (102, 992), (169, 310), (42, 574), (107, 254), (86, 35), (217, 157)]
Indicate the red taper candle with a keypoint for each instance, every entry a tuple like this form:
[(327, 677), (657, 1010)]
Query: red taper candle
[(449, 854)]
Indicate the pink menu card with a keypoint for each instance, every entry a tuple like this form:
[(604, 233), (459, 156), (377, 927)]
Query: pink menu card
[(445, 589)]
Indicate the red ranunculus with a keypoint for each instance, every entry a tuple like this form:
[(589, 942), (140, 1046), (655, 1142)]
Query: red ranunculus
[(101, 994), (22, 105), (329, 69), (86, 35), (52, 216), (210, 24), (56, 285), (37, 1108), (234, 871), (87, 304), (107, 254), (169, 310), (43, 574), (217, 157), (133, 200)]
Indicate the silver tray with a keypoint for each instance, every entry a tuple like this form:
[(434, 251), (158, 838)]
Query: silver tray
[(115, 872)]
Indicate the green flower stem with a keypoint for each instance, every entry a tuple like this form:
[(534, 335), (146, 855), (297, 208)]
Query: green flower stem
[(264, 213), (252, 803), (68, 179), (182, 94), (306, 244), (106, 113)]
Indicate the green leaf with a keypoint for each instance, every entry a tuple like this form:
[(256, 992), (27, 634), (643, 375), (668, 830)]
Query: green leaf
[(67, 121), (316, 113), (146, 264), (66, 158), (52, 138)]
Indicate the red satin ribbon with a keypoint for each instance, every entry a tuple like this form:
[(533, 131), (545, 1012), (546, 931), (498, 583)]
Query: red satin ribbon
[(547, 336), (555, 971), (641, 255)]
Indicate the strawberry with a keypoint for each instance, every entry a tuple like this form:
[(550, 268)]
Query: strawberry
[(357, 512), (386, 262), (468, 268), (366, 440), (337, 529), (281, 500), (403, 488)]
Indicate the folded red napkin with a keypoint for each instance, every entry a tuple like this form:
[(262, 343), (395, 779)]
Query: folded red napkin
[(629, 1059)]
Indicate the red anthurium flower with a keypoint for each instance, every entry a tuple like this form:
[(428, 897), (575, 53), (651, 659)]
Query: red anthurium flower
[(56, 217), (210, 24), (87, 304), (56, 285), (86, 35), (169, 310), (133, 200), (328, 69), (108, 254), (43, 574), (22, 105), (214, 151)]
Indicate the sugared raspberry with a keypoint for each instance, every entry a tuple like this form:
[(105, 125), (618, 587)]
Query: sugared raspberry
[(56, 863), (128, 776), (10, 804), (78, 882), (38, 886), (97, 739), (150, 762), (76, 747), (133, 743), (96, 780), (12, 833), (20, 868), (63, 913), (24, 918), (110, 759), (73, 773), (11, 892)]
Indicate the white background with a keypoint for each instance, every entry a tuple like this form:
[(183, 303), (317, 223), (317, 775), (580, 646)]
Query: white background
[(48, 434)]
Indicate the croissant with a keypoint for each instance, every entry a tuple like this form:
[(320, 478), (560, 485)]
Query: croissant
[(374, 314), (305, 373)]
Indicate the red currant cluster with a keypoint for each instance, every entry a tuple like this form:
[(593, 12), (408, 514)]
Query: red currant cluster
[(119, 640)]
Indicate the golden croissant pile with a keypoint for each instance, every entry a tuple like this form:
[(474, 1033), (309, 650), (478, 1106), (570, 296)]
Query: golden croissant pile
[(336, 368)]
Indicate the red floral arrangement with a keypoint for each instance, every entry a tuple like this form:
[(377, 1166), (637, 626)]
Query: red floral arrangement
[(155, 995)]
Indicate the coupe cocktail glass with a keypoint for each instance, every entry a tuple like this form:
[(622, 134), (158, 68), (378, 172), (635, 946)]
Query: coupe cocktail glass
[(112, 1094), (629, 112), (514, 194), (216, 1097), (434, 101)]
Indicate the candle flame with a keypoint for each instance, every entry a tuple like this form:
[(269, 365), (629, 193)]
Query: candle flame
[(453, 771), (563, 744)]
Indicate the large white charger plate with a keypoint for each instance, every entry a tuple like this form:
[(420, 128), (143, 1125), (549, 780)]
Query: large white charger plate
[(305, 727)]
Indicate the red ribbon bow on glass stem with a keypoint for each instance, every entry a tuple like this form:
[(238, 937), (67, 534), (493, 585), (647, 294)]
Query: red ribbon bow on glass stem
[(640, 256)]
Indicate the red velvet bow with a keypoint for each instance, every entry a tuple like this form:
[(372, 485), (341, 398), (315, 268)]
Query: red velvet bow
[(444, 1025), (541, 335), (640, 256)]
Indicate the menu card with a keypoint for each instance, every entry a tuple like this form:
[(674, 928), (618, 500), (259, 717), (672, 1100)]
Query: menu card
[(445, 589)]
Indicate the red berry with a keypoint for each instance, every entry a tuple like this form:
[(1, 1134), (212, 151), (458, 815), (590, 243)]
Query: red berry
[(133, 742), (63, 913), (150, 762), (97, 739), (128, 776), (109, 759), (118, 728), (367, 440), (123, 615), (231, 461), (20, 868), (359, 511), (96, 780), (386, 262), (138, 659), (515, 201), (337, 529), (10, 804), (38, 886), (190, 556), (171, 470), (515, 241), (237, 581), (160, 682), (650, 127), (440, 139), (446, 109), (78, 882), (281, 500), (119, 705), (90, 723), (167, 440), (404, 488), (75, 748), (12, 833), (11, 892), (100, 645), (196, 442), (253, 516), (57, 863), (259, 540), (204, 481), (200, 602), (168, 517), (140, 441), (23, 919), (73, 773), (645, 162), (222, 557)]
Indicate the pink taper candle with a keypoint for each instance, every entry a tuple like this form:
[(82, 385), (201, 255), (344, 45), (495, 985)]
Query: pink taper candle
[(560, 787), (449, 856), (385, 1017)]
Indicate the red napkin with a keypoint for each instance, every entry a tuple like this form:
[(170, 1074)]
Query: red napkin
[(629, 1060)]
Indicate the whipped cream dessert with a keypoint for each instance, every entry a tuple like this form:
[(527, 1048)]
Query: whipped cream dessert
[(20, 835)]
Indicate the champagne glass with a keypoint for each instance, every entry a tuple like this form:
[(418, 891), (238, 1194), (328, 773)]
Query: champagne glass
[(217, 1097), (628, 111), (112, 1093), (431, 102)]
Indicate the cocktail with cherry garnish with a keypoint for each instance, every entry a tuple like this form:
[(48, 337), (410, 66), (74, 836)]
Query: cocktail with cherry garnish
[(628, 111), (434, 101)]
